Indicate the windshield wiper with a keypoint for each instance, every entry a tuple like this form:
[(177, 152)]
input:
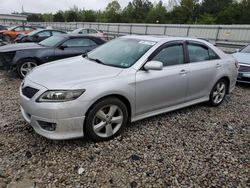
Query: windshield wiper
[(96, 60)]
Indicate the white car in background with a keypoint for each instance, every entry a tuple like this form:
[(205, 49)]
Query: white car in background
[(243, 57), (90, 31)]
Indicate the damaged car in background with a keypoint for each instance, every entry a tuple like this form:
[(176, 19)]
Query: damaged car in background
[(23, 57)]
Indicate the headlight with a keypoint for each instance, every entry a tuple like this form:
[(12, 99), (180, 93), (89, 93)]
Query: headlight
[(60, 96)]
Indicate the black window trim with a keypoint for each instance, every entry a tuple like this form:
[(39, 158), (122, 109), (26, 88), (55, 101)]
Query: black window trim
[(197, 43)]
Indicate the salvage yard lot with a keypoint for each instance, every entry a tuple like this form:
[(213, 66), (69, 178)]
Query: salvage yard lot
[(197, 146)]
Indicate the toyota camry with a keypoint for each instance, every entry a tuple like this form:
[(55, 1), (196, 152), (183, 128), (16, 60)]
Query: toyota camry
[(124, 80)]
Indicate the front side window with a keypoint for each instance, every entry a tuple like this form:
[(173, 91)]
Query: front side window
[(92, 31), (52, 41), (79, 42), (44, 34), (27, 28), (121, 52), (84, 31), (171, 55)]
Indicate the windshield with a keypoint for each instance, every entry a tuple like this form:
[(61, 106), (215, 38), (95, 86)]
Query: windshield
[(122, 52), (246, 49), (52, 41)]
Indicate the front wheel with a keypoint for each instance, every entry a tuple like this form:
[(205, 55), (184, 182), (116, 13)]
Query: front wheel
[(25, 67), (218, 93), (106, 119)]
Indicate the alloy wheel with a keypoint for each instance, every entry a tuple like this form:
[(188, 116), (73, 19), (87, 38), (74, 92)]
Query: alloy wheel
[(107, 121), (219, 92), (26, 68)]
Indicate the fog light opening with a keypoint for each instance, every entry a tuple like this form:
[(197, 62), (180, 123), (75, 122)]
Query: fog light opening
[(47, 125)]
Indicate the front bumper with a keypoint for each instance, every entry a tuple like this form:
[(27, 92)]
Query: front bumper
[(243, 77), (67, 116)]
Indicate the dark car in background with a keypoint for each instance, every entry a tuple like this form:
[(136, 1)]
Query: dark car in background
[(38, 35), (23, 57), (2, 28)]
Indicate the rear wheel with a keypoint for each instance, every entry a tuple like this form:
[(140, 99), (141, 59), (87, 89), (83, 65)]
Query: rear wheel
[(218, 93), (106, 119), (25, 67)]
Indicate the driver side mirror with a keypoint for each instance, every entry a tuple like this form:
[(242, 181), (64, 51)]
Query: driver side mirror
[(63, 46), (153, 65)]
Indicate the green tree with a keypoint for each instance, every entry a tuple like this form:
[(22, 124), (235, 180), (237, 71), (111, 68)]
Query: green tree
[(113, 11), (207, 19), (59, 17), (157, 14)]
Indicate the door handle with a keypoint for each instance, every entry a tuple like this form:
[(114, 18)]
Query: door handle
[(218, 65), (183, 72)]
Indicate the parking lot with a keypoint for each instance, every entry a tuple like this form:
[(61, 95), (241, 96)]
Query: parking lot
[(198, 146)]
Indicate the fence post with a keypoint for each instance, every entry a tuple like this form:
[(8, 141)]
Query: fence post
[(146, 30), (217, 34), (165, 30), (118, 29), (130, 29), (188, 29)]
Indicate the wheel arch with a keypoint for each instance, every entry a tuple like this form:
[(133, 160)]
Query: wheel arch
[(22, 60), (227, 79), (118, 96)]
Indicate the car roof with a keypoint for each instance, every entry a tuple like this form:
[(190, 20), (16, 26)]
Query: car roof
[(162, 38), (71, 35)]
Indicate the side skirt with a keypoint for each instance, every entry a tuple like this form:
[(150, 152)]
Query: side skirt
[(169, 109)]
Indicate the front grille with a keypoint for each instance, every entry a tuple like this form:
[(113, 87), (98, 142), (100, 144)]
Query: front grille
[(244, 68), (29, 91)]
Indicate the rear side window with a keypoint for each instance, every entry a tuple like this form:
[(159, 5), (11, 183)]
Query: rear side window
[(199, 53), (170, 55)]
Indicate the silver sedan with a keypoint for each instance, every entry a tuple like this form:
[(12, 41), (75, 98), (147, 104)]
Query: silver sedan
[(125, 80)]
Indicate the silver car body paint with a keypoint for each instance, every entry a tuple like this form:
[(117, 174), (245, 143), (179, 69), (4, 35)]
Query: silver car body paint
[(244, 63), (148, 92)]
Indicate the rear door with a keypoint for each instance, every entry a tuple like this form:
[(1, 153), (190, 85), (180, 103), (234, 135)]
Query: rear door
[(156, 90), (203, 67)]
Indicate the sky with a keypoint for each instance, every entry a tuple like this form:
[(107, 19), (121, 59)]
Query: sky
[(48, 6)]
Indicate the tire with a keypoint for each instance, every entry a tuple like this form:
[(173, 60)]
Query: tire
[(25, 66), (100, 124), (218, 93)]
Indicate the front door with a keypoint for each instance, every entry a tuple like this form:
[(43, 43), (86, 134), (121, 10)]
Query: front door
[(156, 90)]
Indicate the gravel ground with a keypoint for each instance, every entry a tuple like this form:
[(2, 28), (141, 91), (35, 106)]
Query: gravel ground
[(197, 146)]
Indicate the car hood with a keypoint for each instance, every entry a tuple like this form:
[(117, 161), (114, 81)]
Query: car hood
[(71, 73), (242, 57), (20, 46)]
